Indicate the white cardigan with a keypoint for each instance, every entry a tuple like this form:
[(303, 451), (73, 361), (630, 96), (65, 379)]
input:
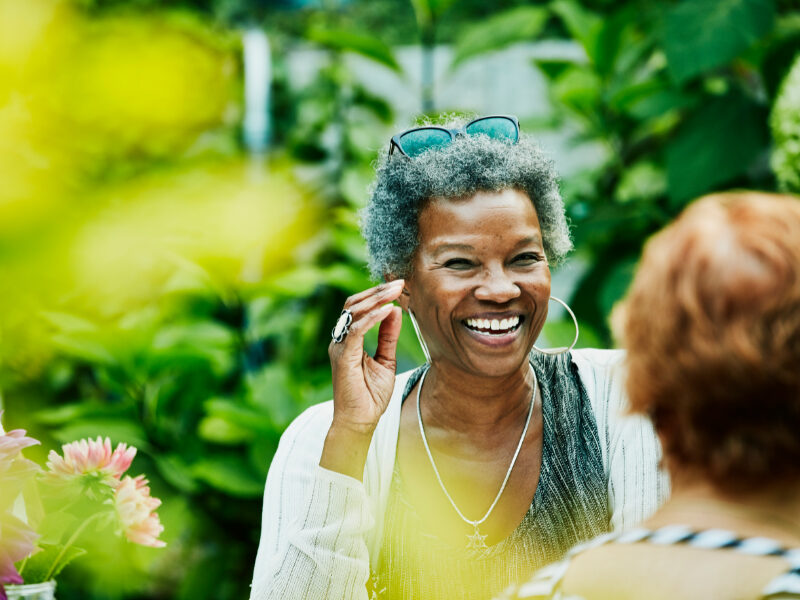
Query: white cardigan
[(321, 529)]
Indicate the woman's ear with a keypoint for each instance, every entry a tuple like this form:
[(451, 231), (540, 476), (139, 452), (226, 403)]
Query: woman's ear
[(404, 296)]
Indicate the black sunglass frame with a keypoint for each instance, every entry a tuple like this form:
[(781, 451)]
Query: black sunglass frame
[(395, 143)]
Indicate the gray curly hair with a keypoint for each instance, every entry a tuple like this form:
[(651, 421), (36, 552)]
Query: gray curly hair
[(473, 163)]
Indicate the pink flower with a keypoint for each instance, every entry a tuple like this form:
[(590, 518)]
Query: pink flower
[(17, 541), (15, 471), (136, 509), (12, 443), (92, 457)]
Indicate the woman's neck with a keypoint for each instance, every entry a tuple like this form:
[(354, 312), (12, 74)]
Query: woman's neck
[(464, 402), (772, 511)]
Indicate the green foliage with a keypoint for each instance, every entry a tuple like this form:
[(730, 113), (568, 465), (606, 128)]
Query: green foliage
[(785, 123), (366, 45), (429, 11), (516, 25), (41, 566), (715, 144), (203, 375), (700, 35), (677, 117)]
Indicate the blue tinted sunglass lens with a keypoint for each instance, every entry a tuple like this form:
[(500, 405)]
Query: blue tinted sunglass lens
[(417, 141), (498, 128)]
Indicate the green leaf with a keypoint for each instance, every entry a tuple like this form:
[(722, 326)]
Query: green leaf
[(83, 347), (176, 472), (559, 333), (714, 145), (616, 283), (642, 181), (228, 474), (518, 24), (783, 48), (194, 335), (196, 340), (365, 45), (579, 89), (268, 388), (350, 278), (219, 430), (553, 68), (118, 430), (66, 322), (699, 35), (785, 125), (239, 415), (59, 415), (427, 11), (584, 26), (656, 104), (300, 281), (40, 564)]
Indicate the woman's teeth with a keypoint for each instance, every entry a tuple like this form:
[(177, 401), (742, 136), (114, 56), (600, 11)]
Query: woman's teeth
[(493, 326)]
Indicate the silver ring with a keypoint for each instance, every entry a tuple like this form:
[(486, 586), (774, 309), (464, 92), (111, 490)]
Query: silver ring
[(342, 326)]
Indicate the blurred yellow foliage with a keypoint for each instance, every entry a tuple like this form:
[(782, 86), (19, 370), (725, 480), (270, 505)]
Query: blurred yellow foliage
[(119, 176), (237, 222), (78, 95)]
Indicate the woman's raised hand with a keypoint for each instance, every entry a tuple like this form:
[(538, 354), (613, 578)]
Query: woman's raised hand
[(362, 384)]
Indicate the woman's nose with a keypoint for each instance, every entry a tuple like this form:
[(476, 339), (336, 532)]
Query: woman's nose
[(497, 286)]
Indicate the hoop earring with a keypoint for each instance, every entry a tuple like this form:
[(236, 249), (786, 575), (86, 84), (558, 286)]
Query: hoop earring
[(556, 351), (419, 337)]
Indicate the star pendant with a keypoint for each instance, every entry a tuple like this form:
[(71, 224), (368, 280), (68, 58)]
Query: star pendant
[(476, 541)]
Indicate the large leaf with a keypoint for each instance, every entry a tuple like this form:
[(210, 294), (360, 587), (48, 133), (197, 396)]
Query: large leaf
[(584, 26), (83, 345), (196, 341), (699, 35), (518, 24), (714, 145), (176, 472), (229, 475), (43, 566), (360, 43), (579, 88)]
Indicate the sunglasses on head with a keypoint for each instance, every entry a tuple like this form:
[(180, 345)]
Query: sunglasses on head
[(414, 142)]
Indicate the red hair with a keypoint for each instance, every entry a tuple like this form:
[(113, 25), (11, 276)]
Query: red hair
[(712, 328)]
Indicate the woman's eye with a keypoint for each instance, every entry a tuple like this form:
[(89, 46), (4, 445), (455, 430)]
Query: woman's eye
[(528, 258), (458, 263)]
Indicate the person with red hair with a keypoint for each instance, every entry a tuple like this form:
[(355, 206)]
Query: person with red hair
[(711, 324)]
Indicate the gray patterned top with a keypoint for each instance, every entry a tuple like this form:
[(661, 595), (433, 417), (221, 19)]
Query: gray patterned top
[(570, 505)]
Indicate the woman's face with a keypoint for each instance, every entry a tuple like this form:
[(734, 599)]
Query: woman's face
[(480, 282)]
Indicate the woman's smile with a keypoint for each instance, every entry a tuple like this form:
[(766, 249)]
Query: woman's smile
[(495, 330)]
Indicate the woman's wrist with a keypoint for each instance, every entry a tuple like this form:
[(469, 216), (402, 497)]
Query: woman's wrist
[(345, 449)]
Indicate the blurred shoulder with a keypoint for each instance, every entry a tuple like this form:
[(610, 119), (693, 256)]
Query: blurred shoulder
[(544, 585), (602, 374), (597, 358)]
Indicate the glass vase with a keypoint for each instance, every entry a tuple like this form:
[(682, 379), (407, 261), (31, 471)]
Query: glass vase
[(32, 591)]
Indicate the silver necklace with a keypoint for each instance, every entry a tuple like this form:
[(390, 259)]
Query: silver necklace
[(476, 541)]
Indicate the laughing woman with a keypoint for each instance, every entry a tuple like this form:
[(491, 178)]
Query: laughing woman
[(493, 458)]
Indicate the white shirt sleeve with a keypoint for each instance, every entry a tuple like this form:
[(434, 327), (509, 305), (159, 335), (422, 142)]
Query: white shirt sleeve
[(637, 486), (314, 521)]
